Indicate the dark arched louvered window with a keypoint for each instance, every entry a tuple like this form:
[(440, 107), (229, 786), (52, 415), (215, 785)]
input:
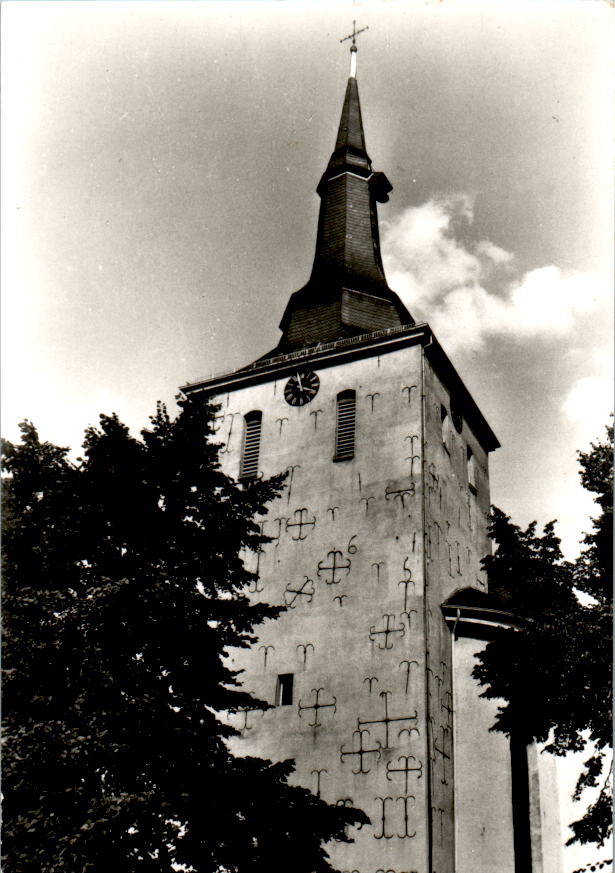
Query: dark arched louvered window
[(345, 425), (447, 433), (251, 444)]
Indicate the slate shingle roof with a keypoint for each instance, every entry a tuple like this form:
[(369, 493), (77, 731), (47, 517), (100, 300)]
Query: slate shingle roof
[(347, 293)]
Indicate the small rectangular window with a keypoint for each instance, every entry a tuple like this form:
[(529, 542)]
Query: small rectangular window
[(345, 426), (251, 445), (284, 691)]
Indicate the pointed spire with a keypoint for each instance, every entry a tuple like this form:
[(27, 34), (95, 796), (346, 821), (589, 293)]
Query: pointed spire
[(350, 143), (347, 293)]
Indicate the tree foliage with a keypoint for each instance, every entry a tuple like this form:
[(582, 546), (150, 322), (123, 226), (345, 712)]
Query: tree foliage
[(123, 588), (554, 672)]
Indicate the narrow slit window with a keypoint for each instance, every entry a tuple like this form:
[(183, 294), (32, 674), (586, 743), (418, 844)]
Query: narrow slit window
[(251, 445), (284, 690), (345, 425), (472, 472), (447, 434), (457, 419)]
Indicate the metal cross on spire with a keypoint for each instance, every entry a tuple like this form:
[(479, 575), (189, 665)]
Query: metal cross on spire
[(353, 48)]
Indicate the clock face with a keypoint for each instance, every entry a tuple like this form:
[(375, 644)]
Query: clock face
[(301, 388)]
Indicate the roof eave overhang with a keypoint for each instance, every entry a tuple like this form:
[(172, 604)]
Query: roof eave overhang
[(476, 622), (322, 354), (339, 351)]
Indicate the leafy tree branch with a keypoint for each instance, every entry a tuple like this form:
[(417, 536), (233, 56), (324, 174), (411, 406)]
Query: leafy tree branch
[(124, 587), (554, 672)]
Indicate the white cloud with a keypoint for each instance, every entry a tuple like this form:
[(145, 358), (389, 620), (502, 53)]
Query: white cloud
[(423, 258), (469, 289), (545, 300), (589, 404), (473, 294), (493, 252)]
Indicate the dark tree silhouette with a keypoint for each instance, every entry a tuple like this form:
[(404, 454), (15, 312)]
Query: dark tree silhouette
[(555, 670), (123, 588)]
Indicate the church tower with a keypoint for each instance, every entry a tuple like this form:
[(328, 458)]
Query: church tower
[(375, 550)]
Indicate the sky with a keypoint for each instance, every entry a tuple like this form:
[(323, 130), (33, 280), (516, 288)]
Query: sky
[(159, 168)]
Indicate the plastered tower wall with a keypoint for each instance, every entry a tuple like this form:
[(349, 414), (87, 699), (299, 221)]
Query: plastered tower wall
[(545, 826), (483, 795), (486, 772), (455, 541), (363, 553)]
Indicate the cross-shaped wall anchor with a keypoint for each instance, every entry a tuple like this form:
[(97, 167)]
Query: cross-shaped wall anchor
[(406, 769), (386, 721), (316, 706), (360, 752), (292, 595), (335, 566), (386, 632), (300, 522)]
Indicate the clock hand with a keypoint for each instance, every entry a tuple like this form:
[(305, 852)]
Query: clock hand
[(299, 382)]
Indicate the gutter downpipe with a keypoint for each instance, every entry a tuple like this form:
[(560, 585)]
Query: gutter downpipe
[(428, 736)]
